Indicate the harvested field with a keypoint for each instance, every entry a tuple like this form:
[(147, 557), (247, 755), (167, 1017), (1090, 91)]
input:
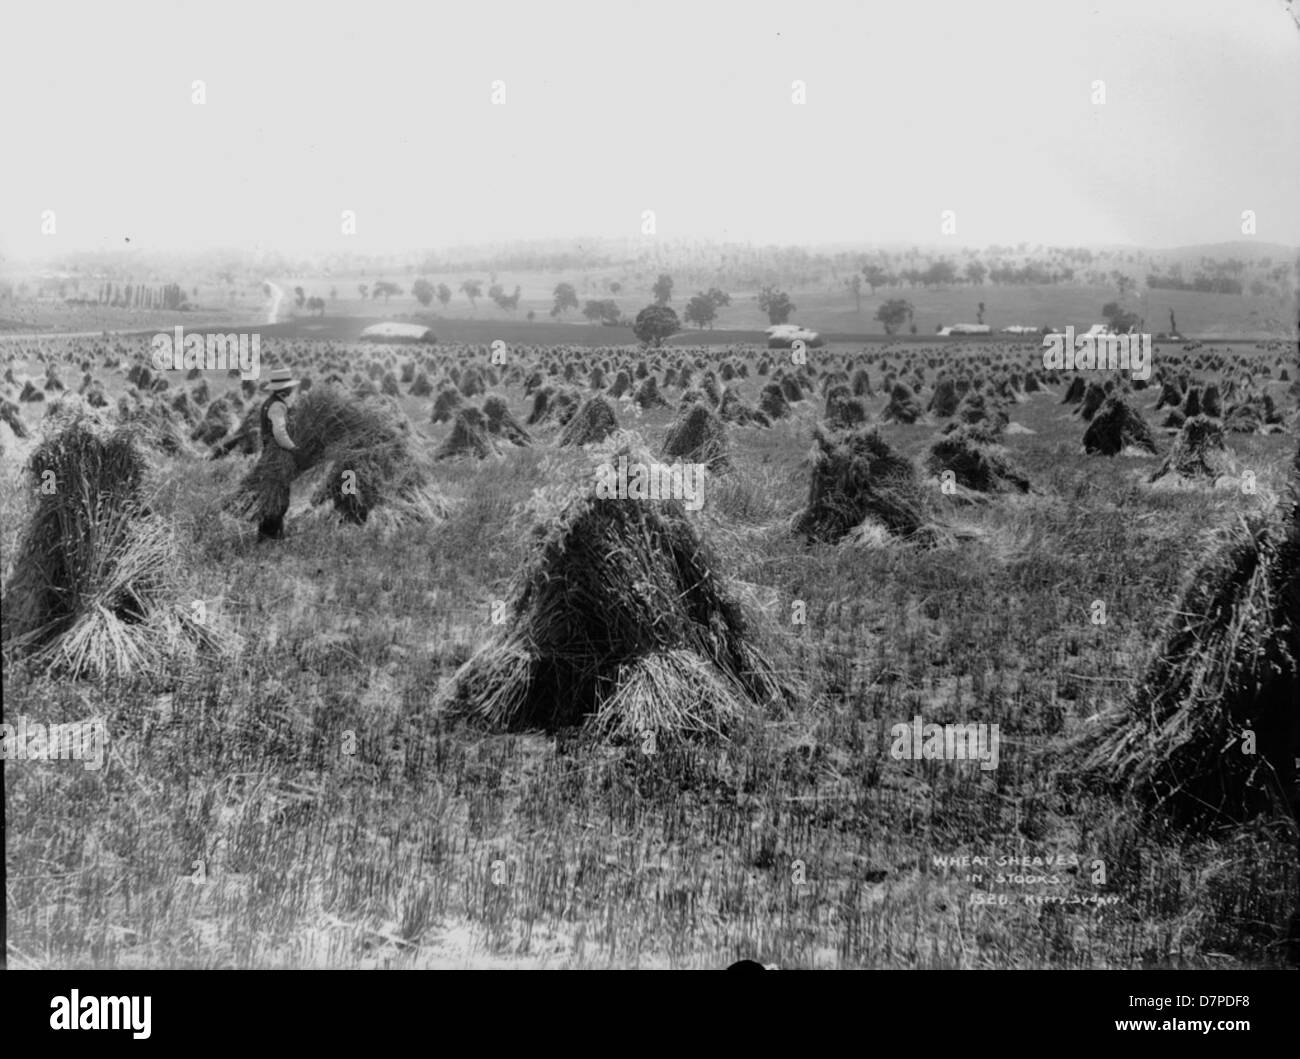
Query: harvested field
[(513, 654)]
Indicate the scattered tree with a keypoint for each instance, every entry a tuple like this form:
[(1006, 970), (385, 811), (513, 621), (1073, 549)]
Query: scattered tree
[(604, 311), (566, 298), (505, 302), (875, 277), (654, 323), (940, 273), (893, 313), (776, 303), (663, 289), (1118, 318), (423, 291), (855, 285), (701, 311)]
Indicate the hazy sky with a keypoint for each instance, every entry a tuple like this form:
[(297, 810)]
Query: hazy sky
[(913, 107)]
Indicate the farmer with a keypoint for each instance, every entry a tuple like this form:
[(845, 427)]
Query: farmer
[(277, 468)]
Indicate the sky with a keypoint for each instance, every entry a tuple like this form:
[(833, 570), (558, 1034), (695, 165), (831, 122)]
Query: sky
[(912, 107)]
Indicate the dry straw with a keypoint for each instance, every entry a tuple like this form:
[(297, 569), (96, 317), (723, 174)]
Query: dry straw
[(93, 590), (772, 401), (975, 462), (698, 436), (1197, 452), (365, 446), (903, 406), (593, 423), (1118, 426), (10, 414), (858, 478), (620, 618), (502, 424), (469, 437), (1224, 671), (733, 410)]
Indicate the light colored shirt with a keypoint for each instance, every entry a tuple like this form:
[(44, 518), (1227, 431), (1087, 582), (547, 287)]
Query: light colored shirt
[(277, 413)]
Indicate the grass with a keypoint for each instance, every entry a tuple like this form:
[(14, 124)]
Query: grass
[(828, 307), (799, 841)]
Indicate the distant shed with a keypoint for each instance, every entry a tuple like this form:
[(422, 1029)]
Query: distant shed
[(783, 336), (393, 332)]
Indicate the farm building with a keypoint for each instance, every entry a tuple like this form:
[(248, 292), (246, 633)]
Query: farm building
[(391, 332), (966, 329), (783, 336)]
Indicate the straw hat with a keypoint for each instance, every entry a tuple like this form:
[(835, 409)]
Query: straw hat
[(282, 379)]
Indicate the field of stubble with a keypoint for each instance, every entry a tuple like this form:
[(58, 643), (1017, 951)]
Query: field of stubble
[(230, 827)]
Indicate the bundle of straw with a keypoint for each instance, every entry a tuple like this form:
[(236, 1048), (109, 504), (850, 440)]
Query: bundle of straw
[(858, 477), (93, 584), (975, 462), (1212, 732), (1198, 452), (903, 406), (366, 446), (593, 423), (1117, 426), (733, 410), (698, 436), (620, 617)]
